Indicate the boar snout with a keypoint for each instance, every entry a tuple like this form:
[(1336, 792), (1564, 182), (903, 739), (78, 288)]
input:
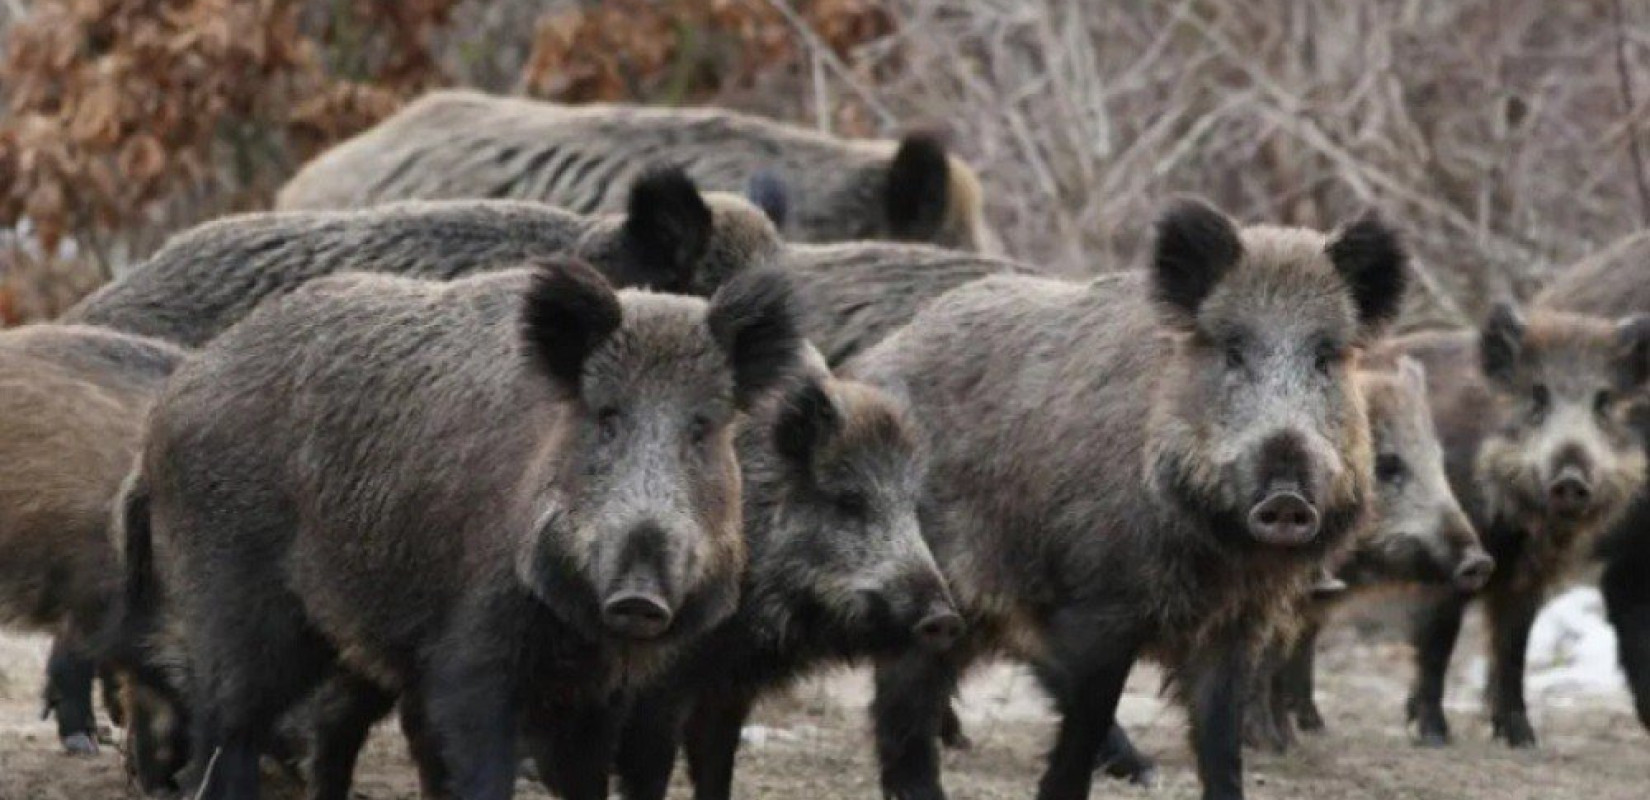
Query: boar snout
[(1284, 517), (1474, 571), (1570, 493), (940, 627), (638, 603), (636, 614)]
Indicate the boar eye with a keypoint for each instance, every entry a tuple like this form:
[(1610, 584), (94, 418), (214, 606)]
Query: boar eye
[(1390, 469), (1540, 398), (854, 504), (1234, 354), (607, 423), (1327, 356), (699, 430), (1602, 401)]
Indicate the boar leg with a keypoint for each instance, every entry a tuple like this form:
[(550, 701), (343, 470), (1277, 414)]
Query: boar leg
[(1626, 588), (471, 706), (951, 730), (1085, 675), (1437, 626), (647, 745), (345, 711), (70, 673), (712, 741), (1216, 698), (911, 694), (1264, 718), (1119, 759), (573, 746), (1296, 682), (421, 744), (1512, 615)]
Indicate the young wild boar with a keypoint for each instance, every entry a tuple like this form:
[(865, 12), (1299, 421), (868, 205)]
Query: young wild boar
[(1532, 412), (670, 239), (1418, 535), (72, 402), (1144, 465), (838, 571), (502, 497), (1613, 283), (463, 144)]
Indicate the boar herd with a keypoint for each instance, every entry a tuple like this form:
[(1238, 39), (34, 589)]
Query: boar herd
[(568, 434)]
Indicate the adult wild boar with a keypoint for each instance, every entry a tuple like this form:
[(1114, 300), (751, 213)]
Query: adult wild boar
[(464, 144), (502, 497), (1418, 536), (670, 238), (1143, 465), (838, 571), (1533, 414), (1616, 282), (72, 401)]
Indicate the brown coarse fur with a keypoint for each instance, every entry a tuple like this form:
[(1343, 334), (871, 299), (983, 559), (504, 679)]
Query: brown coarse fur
[(463, 144), (72, 404), (1093, 459), (205, 279), (455, 491)]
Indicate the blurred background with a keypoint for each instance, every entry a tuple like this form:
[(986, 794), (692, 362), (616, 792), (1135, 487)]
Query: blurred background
[(1505, 136)]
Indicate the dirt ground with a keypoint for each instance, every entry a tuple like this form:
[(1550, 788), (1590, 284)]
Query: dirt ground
[(813, 744)]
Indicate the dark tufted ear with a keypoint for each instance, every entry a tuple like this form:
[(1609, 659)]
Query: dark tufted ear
[(1196, 246), (917, 194), (1501, 342), (570, 309), (807, 419), (669, 228), (1371, 259), (754, 318), (767, 191), (1632, 351)]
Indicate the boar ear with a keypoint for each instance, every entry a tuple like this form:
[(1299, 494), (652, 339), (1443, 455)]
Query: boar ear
[(570, 309), (668, 226), (1501, 342), (754, 319), (767, 191), (1633, 351), (1413, 373), (917, 193), (1372, 261), (807, 419), (1196, 246)]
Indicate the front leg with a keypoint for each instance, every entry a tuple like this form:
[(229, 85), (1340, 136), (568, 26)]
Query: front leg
[(69, 676), (573, 744), (648, 742), (1627, 602), (912, 692), (712, 737), (1088, 665), (1296, 682), (1120, 759), (1437, 626), (471, 701), (1511, 615), (1216, 697)]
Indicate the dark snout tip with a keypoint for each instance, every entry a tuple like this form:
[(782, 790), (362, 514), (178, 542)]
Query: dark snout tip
[(939, 629), (1475, 571), (1570, 492), (1284, 518), (636, 615)]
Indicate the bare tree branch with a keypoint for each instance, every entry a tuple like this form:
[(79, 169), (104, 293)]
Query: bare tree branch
[(1629, 107)]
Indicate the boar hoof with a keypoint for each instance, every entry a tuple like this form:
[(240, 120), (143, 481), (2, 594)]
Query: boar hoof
[(1138, 771), (80, 745), (1515, 730), (1308, 719)]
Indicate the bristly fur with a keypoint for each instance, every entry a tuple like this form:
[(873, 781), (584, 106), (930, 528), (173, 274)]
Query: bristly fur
[(1500, 342), (807, 418), (767, 191), (568, 311), (919, 179), (1196, 245), (1633, 337), (1369, 255), (669, 223), (754, 317)]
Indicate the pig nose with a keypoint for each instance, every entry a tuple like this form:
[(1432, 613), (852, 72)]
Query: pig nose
[(636, 615), (1284, 518), (1570, 492), (1474, 572), (940, 628)]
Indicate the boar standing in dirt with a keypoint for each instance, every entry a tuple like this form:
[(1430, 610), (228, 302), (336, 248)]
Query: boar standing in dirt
[(670, 239), (838, 571), (1418, 536), (1138, 466), (502, 498), (1613, 283), (72, 402), (1533, 414), (464, 144)]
